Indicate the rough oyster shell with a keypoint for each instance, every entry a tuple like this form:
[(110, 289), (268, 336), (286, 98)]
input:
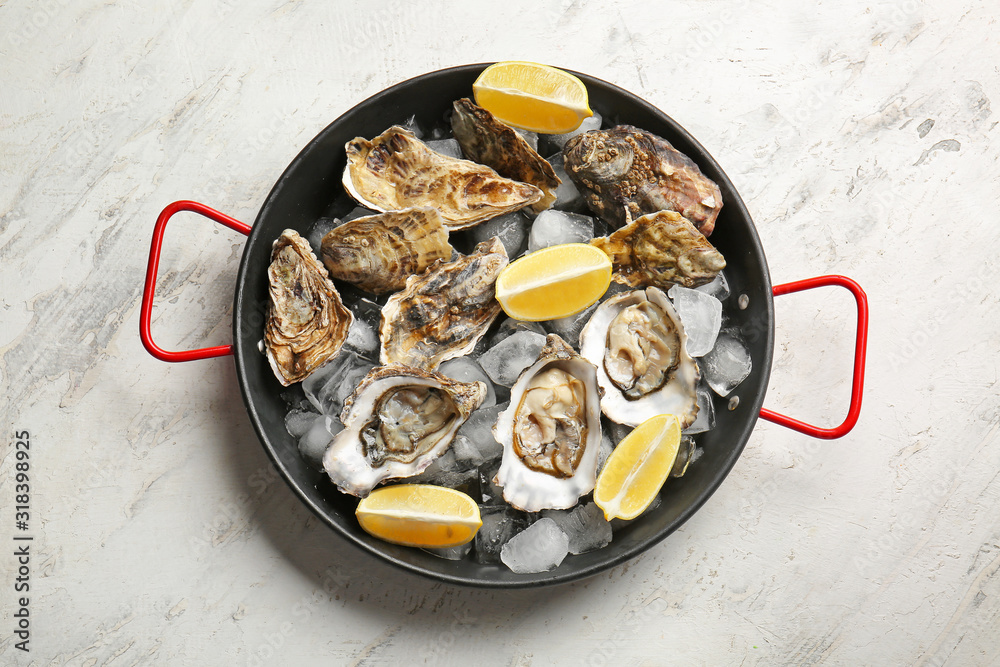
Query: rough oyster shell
[(551, 432), (307, 322), (379, 252), (625, 167), (642, 361), (443, 312), (660, 249), (486, 140), (395, 170), (396, 423)]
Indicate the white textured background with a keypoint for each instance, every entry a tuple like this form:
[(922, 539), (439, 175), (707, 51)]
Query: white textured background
[(862, 138)]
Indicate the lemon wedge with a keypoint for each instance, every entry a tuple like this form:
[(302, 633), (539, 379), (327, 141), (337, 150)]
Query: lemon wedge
[(554, 282), (420, 515), (637, 468), (533, 97)]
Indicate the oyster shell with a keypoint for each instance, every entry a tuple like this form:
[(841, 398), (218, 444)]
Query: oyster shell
[(660, 249), (307, 322), (395, 170), (488, 141), (443, 312), (551, 431), (396, 423), (379, 252), (639, 347), (626, 167)]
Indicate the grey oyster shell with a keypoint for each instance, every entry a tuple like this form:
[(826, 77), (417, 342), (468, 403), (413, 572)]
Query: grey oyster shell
[(395, 170), (551, 431), (660, 249), (379, 252), (488, 141), (443, 312), (307, 323), (396, 423), (628, 168)]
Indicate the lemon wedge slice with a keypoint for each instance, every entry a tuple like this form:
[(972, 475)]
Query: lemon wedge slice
[(420, 515), (533, 97), (554, 282), (637, 468)]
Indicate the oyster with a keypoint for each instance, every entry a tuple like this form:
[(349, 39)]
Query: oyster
[(443, 312), (307, 322), (639, 347), (486, 140), (551, 431), (395, 170), (626, 167), (660, 249), (396, 423), (379, 252)]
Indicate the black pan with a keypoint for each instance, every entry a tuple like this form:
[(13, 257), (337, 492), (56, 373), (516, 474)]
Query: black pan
[(310, 188)]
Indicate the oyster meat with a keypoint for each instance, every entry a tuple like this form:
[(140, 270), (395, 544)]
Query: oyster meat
[(628, 168), (551, 431), (396, 423), (660, 249), (379, 252), (486, 140), (443, 312), (639, 347), (395, 170), (307, 323)]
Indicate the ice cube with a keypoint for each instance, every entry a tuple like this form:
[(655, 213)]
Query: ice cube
[(706, 413), (701, 315), (319, 229), (569, 328), (719, 287), (605, 451), (447, 147), (510, 228), (499, 525), (568, 197), (584, 525), (728, 364), (413, 126), (530, 137), (452, 553), (358, 212), (298, 422), (510, 326), (313, 443), (492, 494), (333, 382), (466, 369), (478, 444), (446, 470), (617, 432), (539, 548), (592, 123), (553, 227), (505, 361)]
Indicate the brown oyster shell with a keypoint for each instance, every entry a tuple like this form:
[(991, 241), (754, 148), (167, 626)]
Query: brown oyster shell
[(628, 168), (379, 252), (307, 323), (488, 141), (661, 249), (395, 170), (443, 312)]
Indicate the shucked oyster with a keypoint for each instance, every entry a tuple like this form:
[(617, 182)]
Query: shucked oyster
[(379, 252), (395, 170), (551, 432), (639, 347), (628, 167), (397, 422), (443, 312), (488, 141), (306, 321), (661, 249)]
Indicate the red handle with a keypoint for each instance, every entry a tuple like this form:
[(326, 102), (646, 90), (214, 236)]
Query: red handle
[(146, 312), (859, 359)]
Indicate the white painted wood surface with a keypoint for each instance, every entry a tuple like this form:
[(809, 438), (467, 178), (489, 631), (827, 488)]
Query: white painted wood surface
[(862, 138)]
